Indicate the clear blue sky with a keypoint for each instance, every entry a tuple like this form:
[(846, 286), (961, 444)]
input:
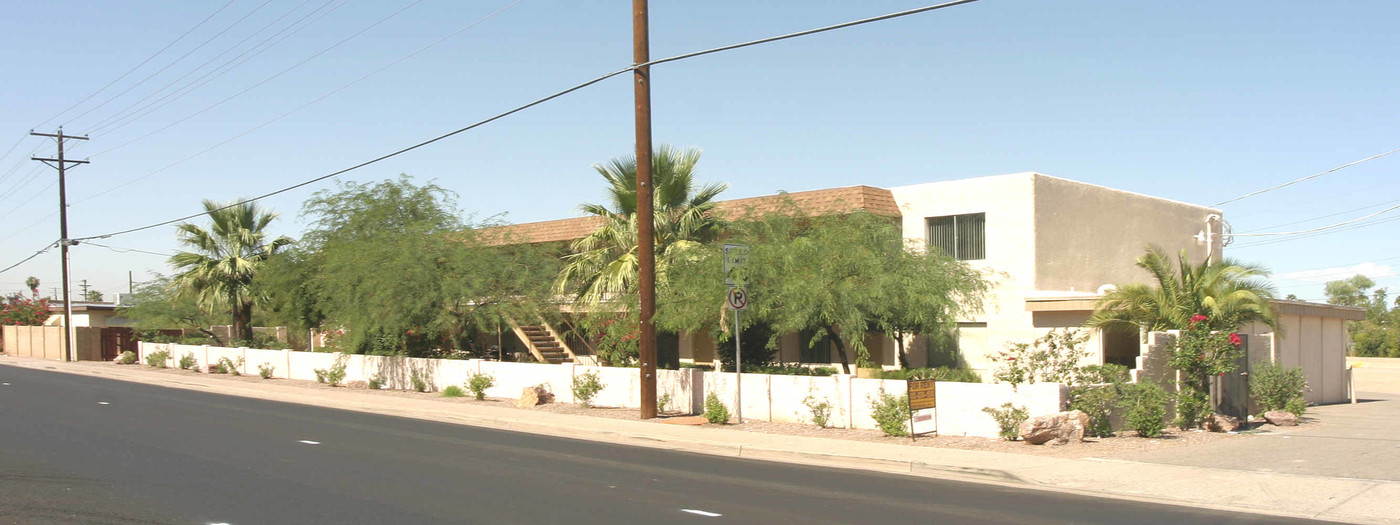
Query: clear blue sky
[(1193, 101)]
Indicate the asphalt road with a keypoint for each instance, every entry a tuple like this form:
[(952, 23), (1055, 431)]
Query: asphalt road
[(76, 449)]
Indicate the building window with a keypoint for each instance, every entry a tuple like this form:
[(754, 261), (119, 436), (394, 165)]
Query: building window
[(964, 237), (819, 352)]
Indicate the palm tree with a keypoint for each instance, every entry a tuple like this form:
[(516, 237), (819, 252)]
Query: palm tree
[(33, 283), (219, 270), (1229, 293), (603, 264)]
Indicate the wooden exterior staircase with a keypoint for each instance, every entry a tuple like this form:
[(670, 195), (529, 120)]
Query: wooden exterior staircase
[(544, 343)]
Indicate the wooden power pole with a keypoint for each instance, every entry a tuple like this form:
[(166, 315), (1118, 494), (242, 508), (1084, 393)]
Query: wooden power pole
[(646, 237), (62, 165)]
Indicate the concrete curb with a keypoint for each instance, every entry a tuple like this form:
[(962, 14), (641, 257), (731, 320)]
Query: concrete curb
[(1359, 504)]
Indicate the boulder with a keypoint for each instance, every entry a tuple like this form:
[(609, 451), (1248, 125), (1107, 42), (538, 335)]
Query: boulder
[(357, 384), (1280, 418), (1221, 423), (534, 396), (1055, 429)]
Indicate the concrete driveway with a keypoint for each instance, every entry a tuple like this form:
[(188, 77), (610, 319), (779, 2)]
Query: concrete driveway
[(1348, 441)]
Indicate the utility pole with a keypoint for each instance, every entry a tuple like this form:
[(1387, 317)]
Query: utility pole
[(54, 295), (62, 165), (84, 286), (646, 237)]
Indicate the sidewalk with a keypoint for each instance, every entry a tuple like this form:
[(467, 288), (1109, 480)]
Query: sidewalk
[(1320, 497)]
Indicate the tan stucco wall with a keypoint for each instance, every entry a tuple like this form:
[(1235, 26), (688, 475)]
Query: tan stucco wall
[(1087, 236)]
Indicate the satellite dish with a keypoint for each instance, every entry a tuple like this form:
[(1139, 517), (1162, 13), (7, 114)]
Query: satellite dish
[(1106, 288)]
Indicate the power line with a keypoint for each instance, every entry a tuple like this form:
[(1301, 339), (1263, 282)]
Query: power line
[(122, 114), (264, 81), (31, 257), (1320, 228), (1324, 216), (305, 105), (527, 106), (898, 14), (129, 250), (172, 63), (1307, 236), (31, 198), (1309, 177), (138, 66), (371, 161)]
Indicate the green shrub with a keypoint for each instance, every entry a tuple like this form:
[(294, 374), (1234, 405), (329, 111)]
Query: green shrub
[(419, 380), (265, 370), (453, 391), (1146, 407), (1099, 402), (158, 359), (821, 410), (1297, 406), (942, 373), (585, 387), (336, 373), (127, 358), (1274, 387), (1192, 407), (376, 382), (479, 383), (789, 370), (891, 413), (229, 366), (1101, 374), (1009, 418), (662, 402), (187, 361), (715, 411)]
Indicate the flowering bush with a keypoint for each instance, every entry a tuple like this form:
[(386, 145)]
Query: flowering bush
[(24, 312), (1051, 359), (1199, 354)]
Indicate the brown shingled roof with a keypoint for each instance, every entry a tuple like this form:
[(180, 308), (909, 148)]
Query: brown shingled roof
[(878, 201)]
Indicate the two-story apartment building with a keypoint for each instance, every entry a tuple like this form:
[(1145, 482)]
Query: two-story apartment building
[(1050, 246), (1040, 239)]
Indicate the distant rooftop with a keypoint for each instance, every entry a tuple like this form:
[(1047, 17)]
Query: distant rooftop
[(831, 201)]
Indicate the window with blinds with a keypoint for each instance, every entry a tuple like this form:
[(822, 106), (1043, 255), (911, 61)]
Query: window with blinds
[(962, 236)]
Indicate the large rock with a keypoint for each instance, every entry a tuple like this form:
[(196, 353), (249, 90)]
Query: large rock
[(1281, 418), (534, 396), (1221, 423), (1055, 429)]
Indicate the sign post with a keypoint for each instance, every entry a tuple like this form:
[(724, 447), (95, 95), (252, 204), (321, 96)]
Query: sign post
[(923, 407), (736, 260)]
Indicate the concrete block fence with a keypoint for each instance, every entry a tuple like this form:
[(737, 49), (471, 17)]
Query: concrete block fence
[(777, 398)]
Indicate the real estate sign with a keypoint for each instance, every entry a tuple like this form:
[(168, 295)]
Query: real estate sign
[(923, 406)]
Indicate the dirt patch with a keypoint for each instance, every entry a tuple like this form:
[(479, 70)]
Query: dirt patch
[(1126, 443)]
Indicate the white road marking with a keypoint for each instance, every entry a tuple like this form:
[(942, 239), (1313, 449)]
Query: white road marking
[(103, 403), (309, 442), (702, 513)]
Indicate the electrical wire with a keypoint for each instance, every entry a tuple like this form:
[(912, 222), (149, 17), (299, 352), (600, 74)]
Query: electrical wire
[(1320, 228), (304, 106), (31, 257), (138, 66), (264, 81), (121, 115), (30, 199), (129, 250), (1339, 271), (1309, 177), (1308, 236), (518, 109), (172, 63), (1323, 216)]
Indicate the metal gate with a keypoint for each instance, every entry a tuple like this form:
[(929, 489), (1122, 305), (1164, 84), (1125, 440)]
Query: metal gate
[(1233, 387)]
